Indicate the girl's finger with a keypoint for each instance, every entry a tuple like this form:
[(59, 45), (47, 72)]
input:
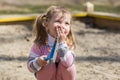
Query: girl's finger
[(44, 63), (59, 33)]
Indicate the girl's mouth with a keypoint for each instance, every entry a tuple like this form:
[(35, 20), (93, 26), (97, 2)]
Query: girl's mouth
[(65, 32)]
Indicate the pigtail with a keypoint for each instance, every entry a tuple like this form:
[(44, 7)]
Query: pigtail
[(39, 30), (71, 40)]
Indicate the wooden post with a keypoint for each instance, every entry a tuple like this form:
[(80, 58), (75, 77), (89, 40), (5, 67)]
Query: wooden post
[(89, 7)]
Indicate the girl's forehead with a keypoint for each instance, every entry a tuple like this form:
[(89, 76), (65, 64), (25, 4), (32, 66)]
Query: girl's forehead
[(62, 16)]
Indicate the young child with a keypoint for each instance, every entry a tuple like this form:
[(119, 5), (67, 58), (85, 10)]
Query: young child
[(55, 23)]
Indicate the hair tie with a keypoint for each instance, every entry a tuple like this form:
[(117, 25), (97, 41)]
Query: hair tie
[(44, 17)]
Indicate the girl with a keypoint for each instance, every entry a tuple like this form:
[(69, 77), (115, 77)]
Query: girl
[(55, 23)]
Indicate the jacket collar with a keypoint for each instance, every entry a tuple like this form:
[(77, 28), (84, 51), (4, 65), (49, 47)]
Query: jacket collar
[(51, 40)]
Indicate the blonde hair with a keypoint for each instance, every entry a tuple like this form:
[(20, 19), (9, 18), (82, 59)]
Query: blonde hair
[(40, 32)]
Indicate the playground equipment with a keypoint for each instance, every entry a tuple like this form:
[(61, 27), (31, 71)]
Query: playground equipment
[(94, 19)]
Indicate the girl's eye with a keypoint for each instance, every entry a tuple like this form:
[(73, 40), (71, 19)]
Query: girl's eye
[(57, 21), (67, 23)]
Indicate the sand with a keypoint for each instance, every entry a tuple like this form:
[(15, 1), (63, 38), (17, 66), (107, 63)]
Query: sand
[(97, 56)]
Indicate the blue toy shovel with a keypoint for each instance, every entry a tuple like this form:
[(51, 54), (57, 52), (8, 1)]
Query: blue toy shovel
[(53, 53)]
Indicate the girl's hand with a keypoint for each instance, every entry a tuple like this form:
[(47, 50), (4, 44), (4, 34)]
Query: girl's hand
[(41, 61), (61, 34)]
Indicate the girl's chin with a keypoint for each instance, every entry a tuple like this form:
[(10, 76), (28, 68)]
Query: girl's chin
[(54, 36)]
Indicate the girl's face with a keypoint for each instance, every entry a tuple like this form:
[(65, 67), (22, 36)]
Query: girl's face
[(60, 22)]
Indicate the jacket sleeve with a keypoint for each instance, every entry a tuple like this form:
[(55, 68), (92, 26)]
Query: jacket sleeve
[(66, 55), (32, 63)]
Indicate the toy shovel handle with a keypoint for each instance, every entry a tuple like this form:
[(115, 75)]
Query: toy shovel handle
[(50, 56)]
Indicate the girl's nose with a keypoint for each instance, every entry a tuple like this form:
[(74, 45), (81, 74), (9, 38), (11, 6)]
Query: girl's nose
[(62, 26), (59, 26)]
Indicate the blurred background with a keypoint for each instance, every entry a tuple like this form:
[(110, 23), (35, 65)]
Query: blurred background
[(97, 56), (39, 6)]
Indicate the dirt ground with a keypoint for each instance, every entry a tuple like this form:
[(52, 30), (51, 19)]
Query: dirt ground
[(97, 56)]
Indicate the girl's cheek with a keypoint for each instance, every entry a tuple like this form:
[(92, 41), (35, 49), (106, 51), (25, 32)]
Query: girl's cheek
[(67, 31), (56, 24)]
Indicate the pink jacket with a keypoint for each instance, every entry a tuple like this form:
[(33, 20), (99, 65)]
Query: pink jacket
[(64, 55)]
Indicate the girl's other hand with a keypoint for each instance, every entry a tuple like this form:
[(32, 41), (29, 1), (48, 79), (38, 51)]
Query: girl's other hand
[(42, 61), (61, 34)]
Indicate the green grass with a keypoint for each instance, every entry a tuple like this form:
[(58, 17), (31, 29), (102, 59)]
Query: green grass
[(109, 9), (27, 9), (37, 9)]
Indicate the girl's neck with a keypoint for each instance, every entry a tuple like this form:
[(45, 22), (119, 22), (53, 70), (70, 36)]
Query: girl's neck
[(51, 40)]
